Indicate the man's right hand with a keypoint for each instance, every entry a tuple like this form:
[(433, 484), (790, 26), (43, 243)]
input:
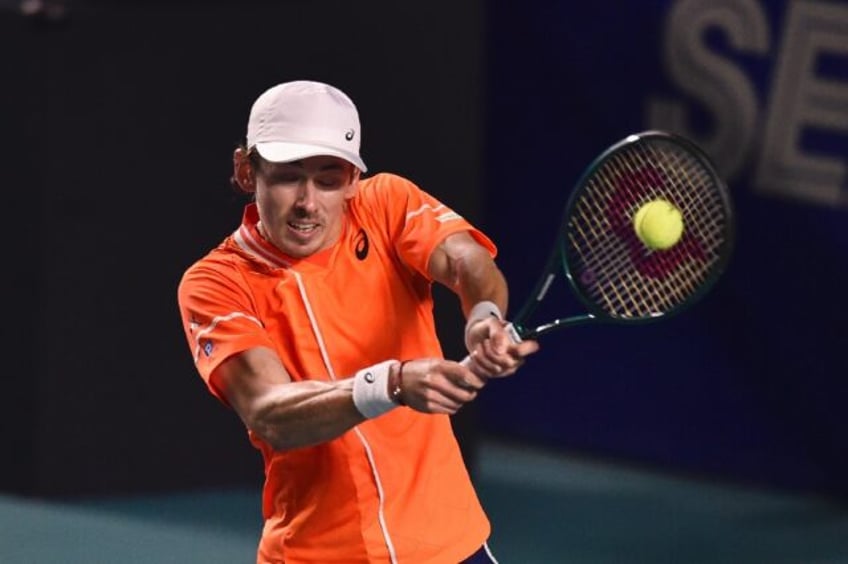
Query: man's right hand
[(433, 385)]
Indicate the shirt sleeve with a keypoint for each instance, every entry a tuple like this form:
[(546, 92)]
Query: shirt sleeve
[(421, 222), (219, 318)]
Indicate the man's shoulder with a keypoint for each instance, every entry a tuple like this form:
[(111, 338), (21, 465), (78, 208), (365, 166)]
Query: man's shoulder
[(222, 261), (383, 190), (384, 181)]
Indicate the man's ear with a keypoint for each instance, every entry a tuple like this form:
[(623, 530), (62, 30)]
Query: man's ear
[(351, 189), (243, 173)]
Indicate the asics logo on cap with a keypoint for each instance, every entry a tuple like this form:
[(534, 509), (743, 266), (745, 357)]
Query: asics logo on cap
[(349, 134)]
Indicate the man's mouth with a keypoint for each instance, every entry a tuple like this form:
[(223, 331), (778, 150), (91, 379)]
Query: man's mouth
[(303, 227)]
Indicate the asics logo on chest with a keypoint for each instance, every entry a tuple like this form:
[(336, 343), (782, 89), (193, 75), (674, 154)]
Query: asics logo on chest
[(361, 249)]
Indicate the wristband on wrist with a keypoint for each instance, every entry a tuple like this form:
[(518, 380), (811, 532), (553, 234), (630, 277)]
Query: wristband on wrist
[(481, 310), (371, 390)]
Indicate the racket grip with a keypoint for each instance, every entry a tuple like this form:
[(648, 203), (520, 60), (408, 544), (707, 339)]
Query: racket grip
[(513, 335)]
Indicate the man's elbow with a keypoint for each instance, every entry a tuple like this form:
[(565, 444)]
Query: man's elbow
[(271, 432)]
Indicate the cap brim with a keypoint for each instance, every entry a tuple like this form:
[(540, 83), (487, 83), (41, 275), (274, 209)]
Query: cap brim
[(280, 152)]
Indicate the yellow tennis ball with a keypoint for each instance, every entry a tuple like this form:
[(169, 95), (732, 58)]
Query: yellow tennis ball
[(658, 224)]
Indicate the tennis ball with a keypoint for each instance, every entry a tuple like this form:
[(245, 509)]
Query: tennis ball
[(658, 224)]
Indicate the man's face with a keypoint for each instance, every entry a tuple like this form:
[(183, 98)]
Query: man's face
[(301, 204)]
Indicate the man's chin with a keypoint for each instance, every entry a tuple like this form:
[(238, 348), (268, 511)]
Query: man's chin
[(300, 250)]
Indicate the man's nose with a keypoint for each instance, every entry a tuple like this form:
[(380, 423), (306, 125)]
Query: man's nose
[(306, 195)]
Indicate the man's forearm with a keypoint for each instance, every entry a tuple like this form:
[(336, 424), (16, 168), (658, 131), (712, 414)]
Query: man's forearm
[(307, 413), (479, 279), (461, 264)]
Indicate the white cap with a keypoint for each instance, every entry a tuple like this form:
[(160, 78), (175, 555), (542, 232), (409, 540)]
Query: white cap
[(300, 119)]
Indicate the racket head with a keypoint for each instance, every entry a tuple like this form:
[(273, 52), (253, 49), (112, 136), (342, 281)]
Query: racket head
[(616, 277)]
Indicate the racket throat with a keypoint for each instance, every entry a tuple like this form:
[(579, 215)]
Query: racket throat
[(558, 324)]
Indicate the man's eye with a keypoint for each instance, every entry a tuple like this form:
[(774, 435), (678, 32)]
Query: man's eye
[(285, 179), (331, 182)]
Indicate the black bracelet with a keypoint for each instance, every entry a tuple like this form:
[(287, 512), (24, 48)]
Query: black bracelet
[(397, 390)]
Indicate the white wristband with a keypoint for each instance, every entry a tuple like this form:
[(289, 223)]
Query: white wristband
[(371, 390), (481, 310)]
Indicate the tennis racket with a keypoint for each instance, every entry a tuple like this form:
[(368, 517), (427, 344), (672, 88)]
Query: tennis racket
[(613, 273)]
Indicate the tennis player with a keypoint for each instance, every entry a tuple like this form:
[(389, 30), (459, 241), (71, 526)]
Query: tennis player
[(313, 321)]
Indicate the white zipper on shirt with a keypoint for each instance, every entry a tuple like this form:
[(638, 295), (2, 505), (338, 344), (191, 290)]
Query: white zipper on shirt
[(244, 238), (371, 462)]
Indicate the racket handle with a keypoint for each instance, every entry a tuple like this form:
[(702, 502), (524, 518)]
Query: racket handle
[(513, 335)]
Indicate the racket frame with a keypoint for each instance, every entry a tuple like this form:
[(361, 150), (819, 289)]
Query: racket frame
[(558, 263)]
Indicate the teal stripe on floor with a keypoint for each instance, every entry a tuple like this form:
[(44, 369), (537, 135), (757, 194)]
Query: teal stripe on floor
[(548, 508), (33, 532), (545, 508)]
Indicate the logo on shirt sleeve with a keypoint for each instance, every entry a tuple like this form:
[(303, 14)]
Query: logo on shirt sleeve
[(207, 347)]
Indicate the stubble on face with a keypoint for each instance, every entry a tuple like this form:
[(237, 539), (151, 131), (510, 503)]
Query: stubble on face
[(302, 204)]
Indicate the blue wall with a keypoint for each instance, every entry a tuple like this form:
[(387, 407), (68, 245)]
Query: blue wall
[(751, 383)]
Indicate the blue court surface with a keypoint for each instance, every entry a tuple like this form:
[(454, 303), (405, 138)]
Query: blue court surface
[(545, 508)]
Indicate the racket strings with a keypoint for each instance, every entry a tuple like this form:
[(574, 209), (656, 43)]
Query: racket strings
[(691, 187), (609, 265)]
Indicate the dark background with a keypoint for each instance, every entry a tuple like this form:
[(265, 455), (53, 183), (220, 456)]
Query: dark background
[(118, 124), (118, 130)]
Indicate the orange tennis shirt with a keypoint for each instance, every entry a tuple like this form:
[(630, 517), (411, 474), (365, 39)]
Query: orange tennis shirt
[(394, 488)]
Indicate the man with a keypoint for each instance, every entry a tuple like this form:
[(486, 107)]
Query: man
[(313, 321)]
